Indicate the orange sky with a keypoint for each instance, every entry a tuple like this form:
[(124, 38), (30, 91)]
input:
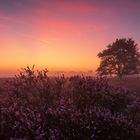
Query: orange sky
[(62, 35)]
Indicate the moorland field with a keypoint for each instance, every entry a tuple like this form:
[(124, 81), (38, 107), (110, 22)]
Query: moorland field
[(34, 106)]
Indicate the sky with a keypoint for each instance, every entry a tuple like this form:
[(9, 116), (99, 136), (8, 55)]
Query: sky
[(62, 35)]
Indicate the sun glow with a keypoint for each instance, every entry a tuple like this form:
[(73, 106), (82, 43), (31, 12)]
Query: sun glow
[(62, 36)]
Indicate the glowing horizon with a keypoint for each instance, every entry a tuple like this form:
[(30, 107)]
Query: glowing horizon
[(62, 36)]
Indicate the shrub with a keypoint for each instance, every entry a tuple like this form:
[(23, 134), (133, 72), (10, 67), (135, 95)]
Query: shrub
[(39, 107)]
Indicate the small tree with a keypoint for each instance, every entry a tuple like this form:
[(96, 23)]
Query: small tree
[(120, 58)]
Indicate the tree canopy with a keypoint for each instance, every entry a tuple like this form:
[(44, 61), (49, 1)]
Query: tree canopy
[(120, 58)]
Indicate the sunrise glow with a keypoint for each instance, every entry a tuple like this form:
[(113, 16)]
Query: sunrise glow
[(62, 35)]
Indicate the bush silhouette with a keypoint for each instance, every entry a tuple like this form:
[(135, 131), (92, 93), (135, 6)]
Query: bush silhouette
[(39, 107)]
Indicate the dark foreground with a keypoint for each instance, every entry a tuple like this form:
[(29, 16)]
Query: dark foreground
[(36, 107)]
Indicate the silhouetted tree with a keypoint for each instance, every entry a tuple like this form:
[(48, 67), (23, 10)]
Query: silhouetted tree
[(120, 58)]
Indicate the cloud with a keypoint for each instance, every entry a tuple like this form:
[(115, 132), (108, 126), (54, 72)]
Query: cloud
[(11, 19), (17, 7), (82, 7), (22, 7)]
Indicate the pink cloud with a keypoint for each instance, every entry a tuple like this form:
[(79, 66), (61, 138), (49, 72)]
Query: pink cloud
[(12, 19), (55, 7), (80, 7)]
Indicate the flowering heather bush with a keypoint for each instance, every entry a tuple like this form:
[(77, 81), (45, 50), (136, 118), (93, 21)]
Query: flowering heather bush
[(76, 108)]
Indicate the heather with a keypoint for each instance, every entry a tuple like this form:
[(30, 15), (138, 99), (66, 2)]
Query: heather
[(39, 107)]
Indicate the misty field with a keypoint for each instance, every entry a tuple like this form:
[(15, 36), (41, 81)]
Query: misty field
[(34, 106), (131, 83)]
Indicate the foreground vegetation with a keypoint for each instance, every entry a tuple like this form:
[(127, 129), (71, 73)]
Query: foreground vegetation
[(37, 107)]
